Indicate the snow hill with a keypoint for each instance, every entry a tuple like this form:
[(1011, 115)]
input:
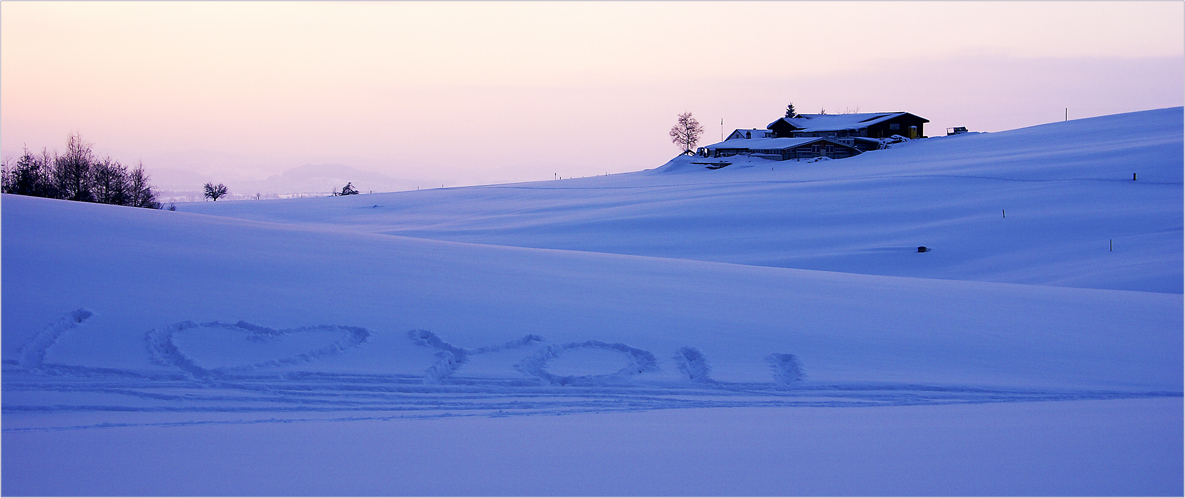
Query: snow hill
[(677, 318), (1050, 205)]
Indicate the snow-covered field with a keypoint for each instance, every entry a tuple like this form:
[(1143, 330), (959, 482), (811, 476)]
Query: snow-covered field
[(768, 328)]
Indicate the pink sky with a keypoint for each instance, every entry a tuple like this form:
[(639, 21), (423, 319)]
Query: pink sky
[(467, 93)]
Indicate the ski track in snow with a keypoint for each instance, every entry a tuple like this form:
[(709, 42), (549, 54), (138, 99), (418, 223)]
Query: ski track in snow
[(254, 395)]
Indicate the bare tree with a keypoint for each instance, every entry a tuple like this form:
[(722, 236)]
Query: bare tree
[(686, 132), (77, 176), (109, 182), (140, 193), (215, 191), (72, 171), (45, 185)]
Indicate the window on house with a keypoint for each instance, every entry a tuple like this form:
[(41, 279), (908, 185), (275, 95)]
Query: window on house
[(894, 126)]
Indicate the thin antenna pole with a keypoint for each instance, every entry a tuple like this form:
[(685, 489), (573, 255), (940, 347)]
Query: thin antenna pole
[(721, 129), (1067, 114)]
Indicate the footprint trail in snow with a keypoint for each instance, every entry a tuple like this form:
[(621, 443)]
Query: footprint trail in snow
[(271, 376)]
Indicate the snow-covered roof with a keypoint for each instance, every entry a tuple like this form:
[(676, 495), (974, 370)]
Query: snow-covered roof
[(739, 133), (765, 143), (835, 122)]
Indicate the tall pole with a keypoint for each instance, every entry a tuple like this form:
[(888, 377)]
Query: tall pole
[(721, 129), (1067, 114)]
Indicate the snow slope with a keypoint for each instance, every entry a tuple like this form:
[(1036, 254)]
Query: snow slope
[(1043, 205), (311, 347)]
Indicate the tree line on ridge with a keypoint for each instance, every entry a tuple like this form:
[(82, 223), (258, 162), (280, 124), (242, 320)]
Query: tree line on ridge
[(78, 175)]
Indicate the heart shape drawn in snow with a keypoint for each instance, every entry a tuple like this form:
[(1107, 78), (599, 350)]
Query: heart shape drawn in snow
[(214, 348)]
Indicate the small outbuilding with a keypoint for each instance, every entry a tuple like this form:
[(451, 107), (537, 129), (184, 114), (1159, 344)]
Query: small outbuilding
[(746, 134)]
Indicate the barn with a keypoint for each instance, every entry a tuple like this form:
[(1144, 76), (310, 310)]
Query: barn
[(846, 126)]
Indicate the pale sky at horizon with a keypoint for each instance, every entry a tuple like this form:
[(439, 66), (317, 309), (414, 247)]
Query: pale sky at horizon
[(481, 92)]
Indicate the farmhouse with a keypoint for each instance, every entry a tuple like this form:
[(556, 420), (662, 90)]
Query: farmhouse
[(857, 125), (804, 136)]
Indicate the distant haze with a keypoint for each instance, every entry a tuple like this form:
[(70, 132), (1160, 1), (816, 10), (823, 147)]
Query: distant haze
[(406, 94), (312, 179)]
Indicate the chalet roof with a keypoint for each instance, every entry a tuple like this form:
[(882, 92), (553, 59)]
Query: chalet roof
[(837, 122), (758, 132), (767, 143)]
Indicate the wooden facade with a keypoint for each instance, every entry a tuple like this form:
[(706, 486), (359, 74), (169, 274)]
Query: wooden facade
[(867, 125), (805, 149), (782, 129), (906, 125)]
